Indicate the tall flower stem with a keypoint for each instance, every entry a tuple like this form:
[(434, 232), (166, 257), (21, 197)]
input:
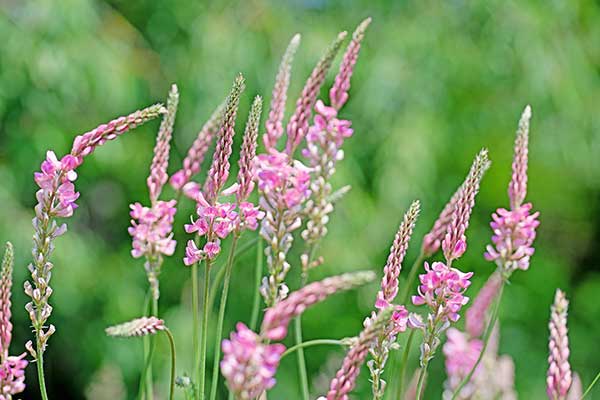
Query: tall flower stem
[(195, 326), (421, 380), (173, 362), (310, 343), (221, 319), (204, 331), (300, 356), (257, 278), (486, 339), (405, 354), (148, 374), (40, 371)]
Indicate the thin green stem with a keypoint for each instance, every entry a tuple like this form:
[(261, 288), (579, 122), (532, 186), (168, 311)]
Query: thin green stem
[(173, 362), (204, 330), (310, 343), (421, 381), (195, 327), (412, 275), (147, 364), (221, 273), (405, 354), (148, 373), (40, 371), (146, 344), (589, 389), (301, 360), (486, 339), (257, 277), (222, 306)]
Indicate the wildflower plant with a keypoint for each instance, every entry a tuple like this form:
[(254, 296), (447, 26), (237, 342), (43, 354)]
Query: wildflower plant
[(292, 176)]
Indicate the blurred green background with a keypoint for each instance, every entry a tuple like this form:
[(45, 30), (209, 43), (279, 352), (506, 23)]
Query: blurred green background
[(435, 82)]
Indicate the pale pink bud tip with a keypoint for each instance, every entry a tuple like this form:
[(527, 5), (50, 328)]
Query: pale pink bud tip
[(559, 377), (5, 300), (246, 174), (138, 327), (517, 188)]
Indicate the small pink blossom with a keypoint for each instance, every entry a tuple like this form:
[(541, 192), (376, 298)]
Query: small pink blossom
[(12, 376), (212, 249), (248, 364), (192, 254), (461, 352), (442, 290), (151, 229)]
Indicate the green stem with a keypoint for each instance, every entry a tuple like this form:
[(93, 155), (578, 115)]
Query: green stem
[(195, 326), (486, 339), (312, 343), (148, 374), (405, 354), (421, 381), (257, 278), (173, 362), (221, 273), (147, 364), (204, 330), (589, 389), (412, 275), (40, 370), (222, 306), (301, 360)]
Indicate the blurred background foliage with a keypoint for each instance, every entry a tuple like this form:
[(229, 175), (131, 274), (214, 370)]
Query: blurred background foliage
[(435, 82)]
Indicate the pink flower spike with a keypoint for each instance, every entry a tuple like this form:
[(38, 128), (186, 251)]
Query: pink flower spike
[(476, 314), (274, 124), (339, 91), (246, 177), (559, 376), (192, 254), (517, 188), (158, 169), (297, 127), (212, 249), (455, 241)]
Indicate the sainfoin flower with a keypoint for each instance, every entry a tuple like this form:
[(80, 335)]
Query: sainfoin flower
[(345, 379), (12, 368), (138, 327), (515, 229), (249, 364), (476, 314), (442, 289), (324, 140), (559, 376), (56, 198)]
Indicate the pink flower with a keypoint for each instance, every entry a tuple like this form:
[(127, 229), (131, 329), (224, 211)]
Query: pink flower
[(212, 249), (442, 290), (192, 254), (514, 233), (250, 215), (285, 184), (461, 352), (248, 364), (245, 180), (151, 229), (12, 376), (476, 314)]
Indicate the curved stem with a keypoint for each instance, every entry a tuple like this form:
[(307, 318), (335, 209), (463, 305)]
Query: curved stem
[(257, 278), (222, 307), (40, 371), (310, 343), (173, 362), (204, 330), (405, 354), (589, 389), (195, 326), (486, 339)]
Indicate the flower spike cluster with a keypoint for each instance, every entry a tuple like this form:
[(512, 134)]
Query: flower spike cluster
[(297, 127), (345, 378), (12, 368), (559, 370), (196, 153), (246, 176), (476, 314), (56, 198), (515, 229), (323, 148), (158, 169), (432, 241), (274, 124), (250, 360)]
